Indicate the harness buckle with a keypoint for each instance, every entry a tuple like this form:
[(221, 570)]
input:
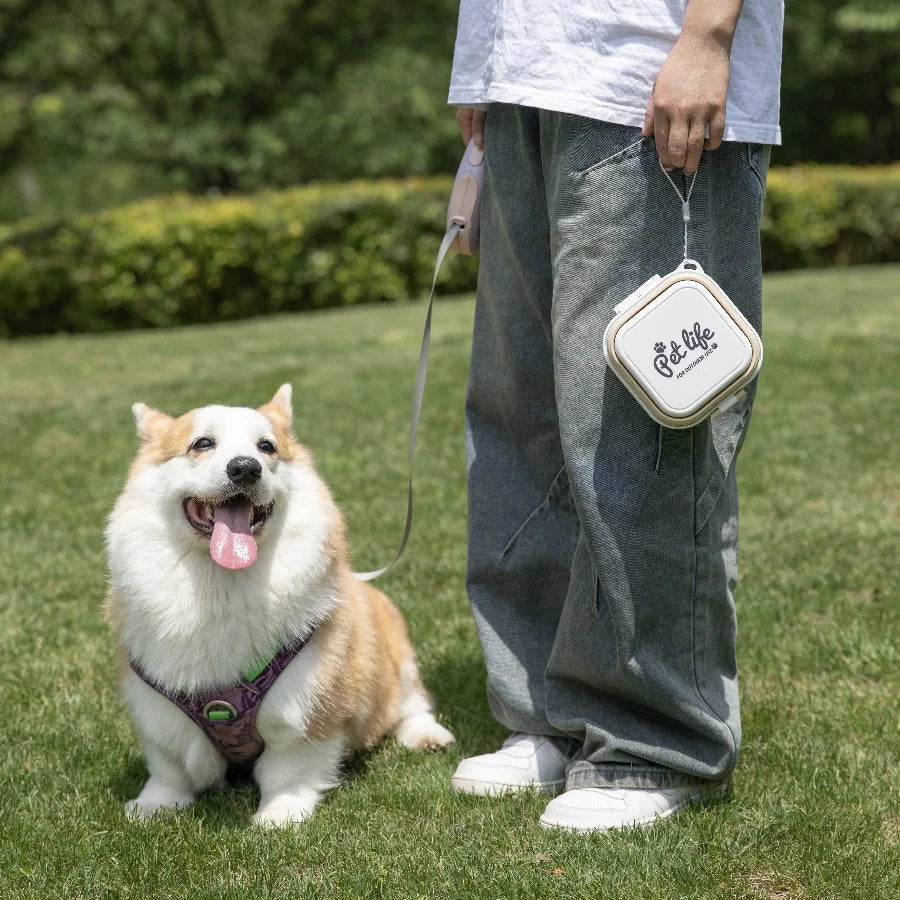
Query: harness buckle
[(219, 711)]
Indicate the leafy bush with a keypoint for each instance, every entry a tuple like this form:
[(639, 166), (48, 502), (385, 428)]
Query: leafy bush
[(200, 94), (180, 259), (831, 215)]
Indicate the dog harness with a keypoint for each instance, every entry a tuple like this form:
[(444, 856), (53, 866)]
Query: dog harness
[(228, 715)]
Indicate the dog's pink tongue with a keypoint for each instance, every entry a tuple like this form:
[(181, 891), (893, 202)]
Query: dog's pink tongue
[(232, 545)]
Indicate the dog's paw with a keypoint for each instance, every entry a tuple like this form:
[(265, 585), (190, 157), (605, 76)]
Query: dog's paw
[(285, 811), (423, 732)]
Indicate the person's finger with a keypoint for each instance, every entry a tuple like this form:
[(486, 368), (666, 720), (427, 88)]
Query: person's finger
[(478, 119), (647, 127), (694, 145), (661, 134), (464, 120), (716, 131), (677, 143)]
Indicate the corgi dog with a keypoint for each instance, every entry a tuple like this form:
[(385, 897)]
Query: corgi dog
[(245, 637)]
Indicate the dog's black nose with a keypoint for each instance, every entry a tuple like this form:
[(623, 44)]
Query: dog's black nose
[(243, 470)]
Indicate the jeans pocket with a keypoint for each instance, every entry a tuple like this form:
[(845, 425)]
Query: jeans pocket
[(672, 444), (594, 145)]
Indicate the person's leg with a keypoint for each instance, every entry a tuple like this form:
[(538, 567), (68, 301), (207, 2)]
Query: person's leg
[(522, 527), (643, 667)]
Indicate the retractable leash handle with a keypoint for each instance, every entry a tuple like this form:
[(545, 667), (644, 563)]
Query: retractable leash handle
[(465, 200), (462, 235)]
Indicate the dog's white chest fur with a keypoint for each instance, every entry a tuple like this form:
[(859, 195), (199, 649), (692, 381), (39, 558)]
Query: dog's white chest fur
[(196, 617)]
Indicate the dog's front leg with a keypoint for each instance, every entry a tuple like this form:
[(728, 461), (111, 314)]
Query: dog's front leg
[(169, 786), (180, 758), (292, 778)]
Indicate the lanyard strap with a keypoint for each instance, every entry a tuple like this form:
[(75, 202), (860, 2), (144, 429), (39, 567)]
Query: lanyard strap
[(685, 203), (418, 394)]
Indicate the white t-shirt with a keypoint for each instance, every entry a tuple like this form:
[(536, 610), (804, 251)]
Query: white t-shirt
[(599, 58)]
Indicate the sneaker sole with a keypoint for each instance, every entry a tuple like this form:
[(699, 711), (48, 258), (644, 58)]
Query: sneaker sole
[(502, 789), (701, 798)]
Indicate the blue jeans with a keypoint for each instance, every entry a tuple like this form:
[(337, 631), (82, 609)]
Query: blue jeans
[(602, 546)]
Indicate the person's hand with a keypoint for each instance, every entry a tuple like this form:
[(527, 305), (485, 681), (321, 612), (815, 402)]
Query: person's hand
[(688, 97), (471, 125)]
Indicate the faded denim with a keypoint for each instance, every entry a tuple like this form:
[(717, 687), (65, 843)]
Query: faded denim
[(602, 546)]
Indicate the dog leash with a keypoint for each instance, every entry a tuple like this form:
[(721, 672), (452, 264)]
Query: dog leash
[(462, 235), (418, 394)]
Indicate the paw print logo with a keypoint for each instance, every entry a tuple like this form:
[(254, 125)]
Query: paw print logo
[(659, 347)]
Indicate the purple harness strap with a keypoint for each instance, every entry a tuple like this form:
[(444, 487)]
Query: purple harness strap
[(228, 716)]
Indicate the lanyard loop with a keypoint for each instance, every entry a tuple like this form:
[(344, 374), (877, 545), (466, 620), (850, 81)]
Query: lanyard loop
[(685, 203)]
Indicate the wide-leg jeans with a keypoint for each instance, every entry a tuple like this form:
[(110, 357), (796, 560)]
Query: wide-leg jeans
[(602, 546)]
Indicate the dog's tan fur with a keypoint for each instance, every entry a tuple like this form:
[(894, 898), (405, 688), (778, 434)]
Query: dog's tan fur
[(365, 646), (364, 682)]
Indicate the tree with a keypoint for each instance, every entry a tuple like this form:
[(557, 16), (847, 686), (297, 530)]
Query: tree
[(103, 100), (840, 95), (217, 94)]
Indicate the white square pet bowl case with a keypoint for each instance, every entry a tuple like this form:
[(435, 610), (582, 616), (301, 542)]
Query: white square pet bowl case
[(681, 347)]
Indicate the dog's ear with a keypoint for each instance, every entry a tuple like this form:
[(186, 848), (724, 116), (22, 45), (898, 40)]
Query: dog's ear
[(279, 408), (149, 421)]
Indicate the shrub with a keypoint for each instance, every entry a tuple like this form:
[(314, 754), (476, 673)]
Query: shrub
[(181, 259), (831, 215)]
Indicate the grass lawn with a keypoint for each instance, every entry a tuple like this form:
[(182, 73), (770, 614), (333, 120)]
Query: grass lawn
[(814, 812)]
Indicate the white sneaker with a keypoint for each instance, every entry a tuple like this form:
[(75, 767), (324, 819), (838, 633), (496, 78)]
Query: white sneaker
[(603, 809), (524, 761)]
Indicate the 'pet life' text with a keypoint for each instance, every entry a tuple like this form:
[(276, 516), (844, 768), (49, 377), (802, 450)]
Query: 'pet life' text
[(696, 339)]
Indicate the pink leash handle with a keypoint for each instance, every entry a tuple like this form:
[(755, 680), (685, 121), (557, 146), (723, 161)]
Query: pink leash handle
[(465, 200)]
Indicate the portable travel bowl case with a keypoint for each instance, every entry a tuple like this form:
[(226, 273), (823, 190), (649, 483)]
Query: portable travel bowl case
[(681, 347)]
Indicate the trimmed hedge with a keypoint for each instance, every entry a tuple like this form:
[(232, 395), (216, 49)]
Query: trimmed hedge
[(831, 215), (179, 259)]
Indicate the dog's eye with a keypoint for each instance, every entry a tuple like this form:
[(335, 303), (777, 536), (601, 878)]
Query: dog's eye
[(265, 446), (203, 443)]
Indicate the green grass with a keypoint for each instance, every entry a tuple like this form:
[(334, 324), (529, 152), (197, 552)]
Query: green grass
[(814, 812)]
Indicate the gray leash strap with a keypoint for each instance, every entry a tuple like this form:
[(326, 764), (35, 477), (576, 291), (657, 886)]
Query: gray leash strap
[(418, 394)]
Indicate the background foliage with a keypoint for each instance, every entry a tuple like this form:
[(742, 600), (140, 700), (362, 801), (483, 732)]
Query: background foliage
[(840, 97), (136, 96), (103, 101), (179, 259)]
